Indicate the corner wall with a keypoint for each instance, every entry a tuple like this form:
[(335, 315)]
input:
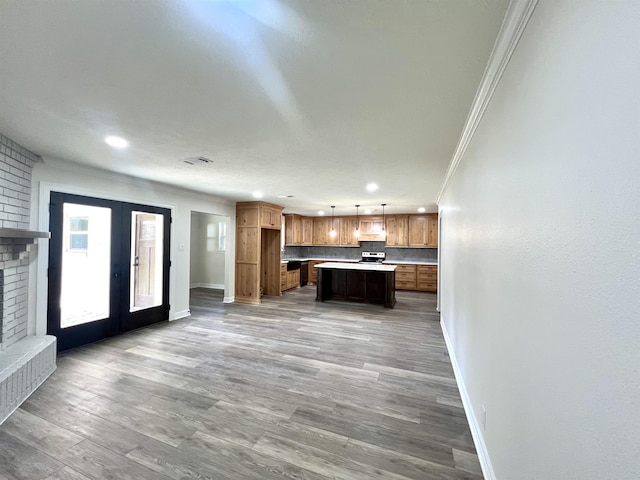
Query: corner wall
[(57, 175), (540, 251)]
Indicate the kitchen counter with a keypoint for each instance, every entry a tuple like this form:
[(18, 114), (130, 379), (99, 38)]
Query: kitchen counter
[(284, 260), (409, 262), (349, 260), (370, 266), (357, 282)]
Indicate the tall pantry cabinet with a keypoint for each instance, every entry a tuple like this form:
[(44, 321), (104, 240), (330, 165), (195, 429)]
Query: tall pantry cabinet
[(258, 254)]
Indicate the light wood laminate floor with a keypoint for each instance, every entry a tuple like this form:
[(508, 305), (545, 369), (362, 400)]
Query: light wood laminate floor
[(288, 389)]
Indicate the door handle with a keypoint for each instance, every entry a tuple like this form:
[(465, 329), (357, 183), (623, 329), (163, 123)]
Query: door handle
[(136, 262)]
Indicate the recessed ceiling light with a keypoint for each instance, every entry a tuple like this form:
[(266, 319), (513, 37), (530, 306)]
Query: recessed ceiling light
[(372, 187), (367, 212), (320, 212), (422, 210), (257, 194), (116, 142)]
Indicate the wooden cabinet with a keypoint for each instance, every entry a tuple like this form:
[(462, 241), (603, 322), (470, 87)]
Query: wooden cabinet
[(257, 251), (248, 253), (270, 216), (397, 230), (417, 230), (283, 277), (427, 278), (335, 240), (406, 277), (292, 230), (347, 231), (313, 272), (307, 231), (432, 230), (298, 230), (289, 278), (322, 229), (423, 278), (371, 228), (247, 215), (402, 230), (423, 230), (293, 279)]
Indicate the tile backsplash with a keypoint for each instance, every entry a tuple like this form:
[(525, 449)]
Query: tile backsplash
[(354, 253)]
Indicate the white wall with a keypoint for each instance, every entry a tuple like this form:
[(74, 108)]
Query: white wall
[(540, 257), (56, 175), (207, 267)]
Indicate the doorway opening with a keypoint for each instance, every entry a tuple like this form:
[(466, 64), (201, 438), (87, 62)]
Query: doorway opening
[(208, 248)]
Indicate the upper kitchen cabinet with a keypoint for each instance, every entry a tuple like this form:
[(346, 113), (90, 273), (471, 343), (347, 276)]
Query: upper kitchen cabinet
[(270, 216), (423, 230), (322, 229), (347, 232), (248, 215), (432, 230), (397, 230), (292, 230), (371, 228), (335, 240), (307, 231)]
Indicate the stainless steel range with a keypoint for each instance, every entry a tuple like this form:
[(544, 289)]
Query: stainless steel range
[(377, 257)]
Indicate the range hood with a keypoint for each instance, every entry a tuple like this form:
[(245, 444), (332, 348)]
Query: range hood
[(371, 237)]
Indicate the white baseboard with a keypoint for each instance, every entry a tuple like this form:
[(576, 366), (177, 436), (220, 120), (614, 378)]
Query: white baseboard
[(181, 314), (476, 430), (230, 299), (217, 286)]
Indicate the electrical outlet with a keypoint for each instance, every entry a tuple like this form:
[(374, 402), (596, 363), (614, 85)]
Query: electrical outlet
[(484, 418)]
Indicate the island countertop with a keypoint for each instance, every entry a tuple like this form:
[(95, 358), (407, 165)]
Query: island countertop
[(367, 267), (357, 282)]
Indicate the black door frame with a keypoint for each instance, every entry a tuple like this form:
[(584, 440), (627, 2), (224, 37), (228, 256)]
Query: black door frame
[(120, 320), (147, 316)]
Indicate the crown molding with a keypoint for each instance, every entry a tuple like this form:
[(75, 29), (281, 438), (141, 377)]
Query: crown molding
[(515, 21)]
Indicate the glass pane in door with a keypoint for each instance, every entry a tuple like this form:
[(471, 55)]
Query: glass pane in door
[(146, 254), (86, 264)]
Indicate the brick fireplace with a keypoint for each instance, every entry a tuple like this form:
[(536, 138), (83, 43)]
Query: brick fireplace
[(25, 360), (14, 286)]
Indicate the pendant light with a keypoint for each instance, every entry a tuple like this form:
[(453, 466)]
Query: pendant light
[(357, 232), (332, 232), (383, 220)]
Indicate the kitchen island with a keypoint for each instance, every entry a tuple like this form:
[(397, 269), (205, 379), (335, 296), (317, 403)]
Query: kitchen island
[(358, 282)]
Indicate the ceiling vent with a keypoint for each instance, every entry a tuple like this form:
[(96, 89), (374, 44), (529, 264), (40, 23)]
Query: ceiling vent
[(198, 161)]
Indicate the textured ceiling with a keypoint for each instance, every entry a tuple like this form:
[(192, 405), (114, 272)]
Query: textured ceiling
[(306, 98)]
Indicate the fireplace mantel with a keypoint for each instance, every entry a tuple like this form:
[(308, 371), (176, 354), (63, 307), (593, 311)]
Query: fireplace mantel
[(19, 233)]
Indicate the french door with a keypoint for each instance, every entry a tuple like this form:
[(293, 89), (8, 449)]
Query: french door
[(108, 268)]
